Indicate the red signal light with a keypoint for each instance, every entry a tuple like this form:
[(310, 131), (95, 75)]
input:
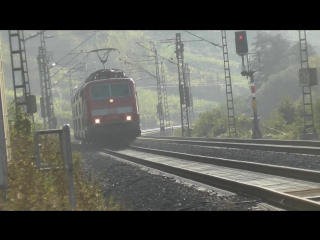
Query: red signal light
[(241, 43)]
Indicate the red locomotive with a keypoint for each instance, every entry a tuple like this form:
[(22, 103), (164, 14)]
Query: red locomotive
[(105, 109)]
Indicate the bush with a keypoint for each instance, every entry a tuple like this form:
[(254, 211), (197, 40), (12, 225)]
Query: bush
[(31, 189), (214, 123), (286, 121)]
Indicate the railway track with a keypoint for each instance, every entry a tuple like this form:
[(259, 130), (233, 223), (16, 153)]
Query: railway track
[(289, 146), (288, 188)]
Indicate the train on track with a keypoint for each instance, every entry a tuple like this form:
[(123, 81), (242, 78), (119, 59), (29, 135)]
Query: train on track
[(105, 109)]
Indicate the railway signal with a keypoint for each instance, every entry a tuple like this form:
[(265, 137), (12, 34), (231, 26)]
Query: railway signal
[(241, 43), (252, 67)]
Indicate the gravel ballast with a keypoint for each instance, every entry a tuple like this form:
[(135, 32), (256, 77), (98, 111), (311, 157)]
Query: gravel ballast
[(310, 162), (143, 189)]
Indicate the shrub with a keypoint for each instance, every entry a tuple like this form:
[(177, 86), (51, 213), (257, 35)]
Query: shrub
[(32, 189)]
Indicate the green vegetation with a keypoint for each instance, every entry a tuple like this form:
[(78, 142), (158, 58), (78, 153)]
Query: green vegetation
[(279, 99), (32, 189), (279, 53), (288, 118), (148, 112), (285, 122), (214, 123)]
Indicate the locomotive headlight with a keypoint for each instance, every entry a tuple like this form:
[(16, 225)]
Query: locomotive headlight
[(97, 120), (111, 100), (128, 118)]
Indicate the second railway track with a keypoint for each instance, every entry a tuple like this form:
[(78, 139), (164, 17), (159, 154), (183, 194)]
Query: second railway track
[(289, 188), (305, 147)]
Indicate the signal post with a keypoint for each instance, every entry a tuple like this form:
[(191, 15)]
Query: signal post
[(242, 50)]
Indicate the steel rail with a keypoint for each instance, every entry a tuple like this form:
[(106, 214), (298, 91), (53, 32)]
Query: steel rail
[(283, 200), (296, 173), (306, 147), (308, 143)]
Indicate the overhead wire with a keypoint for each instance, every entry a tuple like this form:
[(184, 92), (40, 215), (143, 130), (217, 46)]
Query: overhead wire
[(137, 66), (73, 57), (77, 47), (157, 54), (70, 34), (65, 65), (34, 35), (65, 74), (217, 45)]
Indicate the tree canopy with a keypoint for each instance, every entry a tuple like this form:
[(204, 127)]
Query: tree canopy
[(276, 54)]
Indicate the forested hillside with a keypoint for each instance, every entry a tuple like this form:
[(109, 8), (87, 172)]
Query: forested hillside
[(278, 50)]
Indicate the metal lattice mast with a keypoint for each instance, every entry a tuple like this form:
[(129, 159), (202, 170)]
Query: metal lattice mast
[(42, 86), (182, 83), (160, 106), (165, 99), (306, 90), (230, 106), (73, 69), (190, 107), (21, 85), (71, 97), (70, 88), (47, 109)]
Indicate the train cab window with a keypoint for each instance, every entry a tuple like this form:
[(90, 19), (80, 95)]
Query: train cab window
[(100, 91), (110, 91), (120, 90)]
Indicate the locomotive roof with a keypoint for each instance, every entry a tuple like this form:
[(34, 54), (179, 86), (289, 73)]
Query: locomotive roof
[(105, 74)]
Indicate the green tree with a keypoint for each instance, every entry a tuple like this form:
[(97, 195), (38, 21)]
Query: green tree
[(214, 123), (211, 123), (274, 51), (287, 109), (316, 112), (276, 54)]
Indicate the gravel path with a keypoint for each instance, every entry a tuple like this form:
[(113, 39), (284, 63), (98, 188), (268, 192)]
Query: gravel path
[(310, 162), (143, 189)]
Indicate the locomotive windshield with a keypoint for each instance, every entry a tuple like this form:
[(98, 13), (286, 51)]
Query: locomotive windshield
[(110, 91)]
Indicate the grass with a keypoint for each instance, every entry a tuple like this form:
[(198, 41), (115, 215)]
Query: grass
[(30, 189)]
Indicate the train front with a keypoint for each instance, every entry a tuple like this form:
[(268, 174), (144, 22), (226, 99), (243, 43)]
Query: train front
[(113, 112)]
